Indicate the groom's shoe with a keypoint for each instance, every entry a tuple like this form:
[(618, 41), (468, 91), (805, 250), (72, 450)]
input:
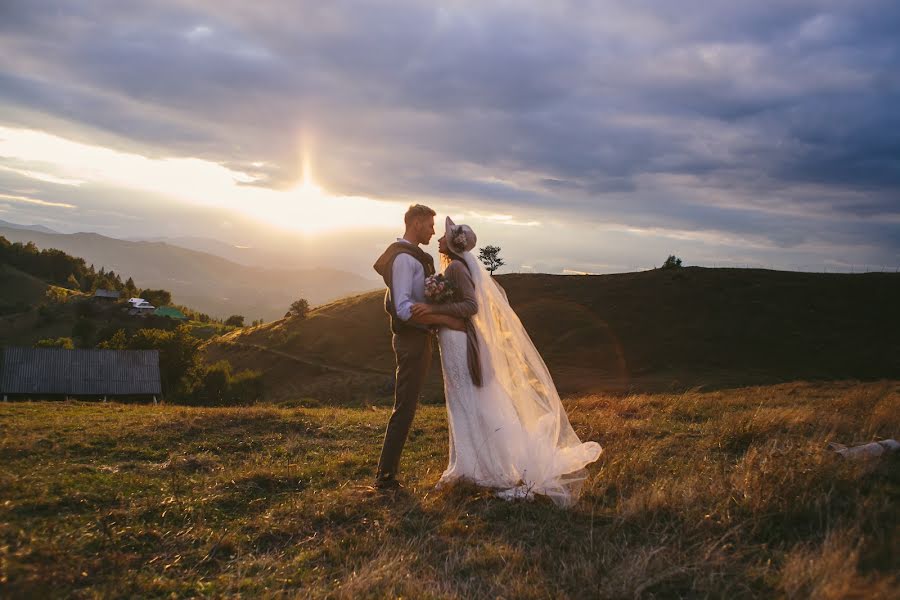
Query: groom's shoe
[(389, 484)]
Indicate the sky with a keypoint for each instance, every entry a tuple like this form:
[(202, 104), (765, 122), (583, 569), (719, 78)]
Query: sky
[(581, 137)]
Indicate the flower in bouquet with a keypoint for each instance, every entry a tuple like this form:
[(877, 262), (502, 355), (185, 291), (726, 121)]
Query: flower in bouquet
[(439, 289)]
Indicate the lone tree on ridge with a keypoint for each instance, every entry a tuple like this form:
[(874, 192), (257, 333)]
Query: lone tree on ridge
[(490, 256)]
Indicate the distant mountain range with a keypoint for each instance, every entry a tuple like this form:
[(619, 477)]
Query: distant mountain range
[(201, 280), (245, 255), (39, 228)]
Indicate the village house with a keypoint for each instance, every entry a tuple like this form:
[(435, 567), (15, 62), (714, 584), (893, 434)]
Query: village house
[(139, 306), (106, 295)]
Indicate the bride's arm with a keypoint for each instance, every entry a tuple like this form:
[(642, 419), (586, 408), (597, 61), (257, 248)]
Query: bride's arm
[(468, 306)]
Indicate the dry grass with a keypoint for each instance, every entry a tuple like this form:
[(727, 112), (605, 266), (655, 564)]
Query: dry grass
[(722, 494)]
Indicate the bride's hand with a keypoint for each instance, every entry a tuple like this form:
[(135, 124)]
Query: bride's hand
[(421, 310)]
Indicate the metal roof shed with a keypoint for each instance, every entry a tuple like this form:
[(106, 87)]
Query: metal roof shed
[(51, 371)]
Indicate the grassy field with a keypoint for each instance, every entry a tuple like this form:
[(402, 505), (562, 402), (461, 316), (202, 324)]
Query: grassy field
[(722, 494)]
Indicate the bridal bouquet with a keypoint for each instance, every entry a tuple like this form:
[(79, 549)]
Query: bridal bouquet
[(438, 289)]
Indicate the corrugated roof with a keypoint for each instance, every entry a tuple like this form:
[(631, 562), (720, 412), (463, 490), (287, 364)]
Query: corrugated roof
[(106, 294), (61, 371)]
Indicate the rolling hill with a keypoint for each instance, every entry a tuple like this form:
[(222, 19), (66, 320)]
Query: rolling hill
[(20, 291), (20, 323), (208, 283), (652, 330)]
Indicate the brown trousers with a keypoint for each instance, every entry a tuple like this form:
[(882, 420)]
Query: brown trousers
[(413, 350)]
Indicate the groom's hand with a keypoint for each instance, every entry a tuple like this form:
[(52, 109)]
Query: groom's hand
[(457, 324), (421, 310)]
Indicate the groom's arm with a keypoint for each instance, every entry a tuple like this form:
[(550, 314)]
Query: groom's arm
[(404, 272), (442, 320)]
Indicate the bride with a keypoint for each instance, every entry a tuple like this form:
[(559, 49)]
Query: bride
[(508, 428)]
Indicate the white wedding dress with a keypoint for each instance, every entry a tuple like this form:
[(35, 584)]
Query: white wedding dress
[(512, 433)]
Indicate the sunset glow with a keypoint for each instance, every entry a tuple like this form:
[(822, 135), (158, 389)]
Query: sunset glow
[(306, 207)]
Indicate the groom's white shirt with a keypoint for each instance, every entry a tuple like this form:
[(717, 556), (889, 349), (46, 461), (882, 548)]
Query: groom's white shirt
[(408, 277)]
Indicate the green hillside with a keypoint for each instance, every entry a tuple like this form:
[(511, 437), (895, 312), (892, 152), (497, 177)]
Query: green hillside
[(20, 291), (652, 330), (21, 323), (339, 353), (32, 310)]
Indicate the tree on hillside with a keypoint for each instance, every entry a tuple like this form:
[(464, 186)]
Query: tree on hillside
[(490, 256), (157, 297), (673, 262), (179, 356), (52, 265), (299, 308), (235, 320), (58, 268)]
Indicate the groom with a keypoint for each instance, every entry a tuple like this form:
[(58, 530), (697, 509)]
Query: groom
[(404, 267)]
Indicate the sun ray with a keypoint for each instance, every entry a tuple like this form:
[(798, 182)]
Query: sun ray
[(307, 207)]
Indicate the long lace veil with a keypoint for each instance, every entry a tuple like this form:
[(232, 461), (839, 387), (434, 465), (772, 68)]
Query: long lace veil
[(554, 457)]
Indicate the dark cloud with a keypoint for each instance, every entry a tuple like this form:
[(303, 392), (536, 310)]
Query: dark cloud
[(776, 119)]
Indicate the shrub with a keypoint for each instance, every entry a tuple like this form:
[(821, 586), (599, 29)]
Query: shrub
[(60, 342), (217, 385), (214, 382), (117, 341), (56, 295), (246, 386)]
